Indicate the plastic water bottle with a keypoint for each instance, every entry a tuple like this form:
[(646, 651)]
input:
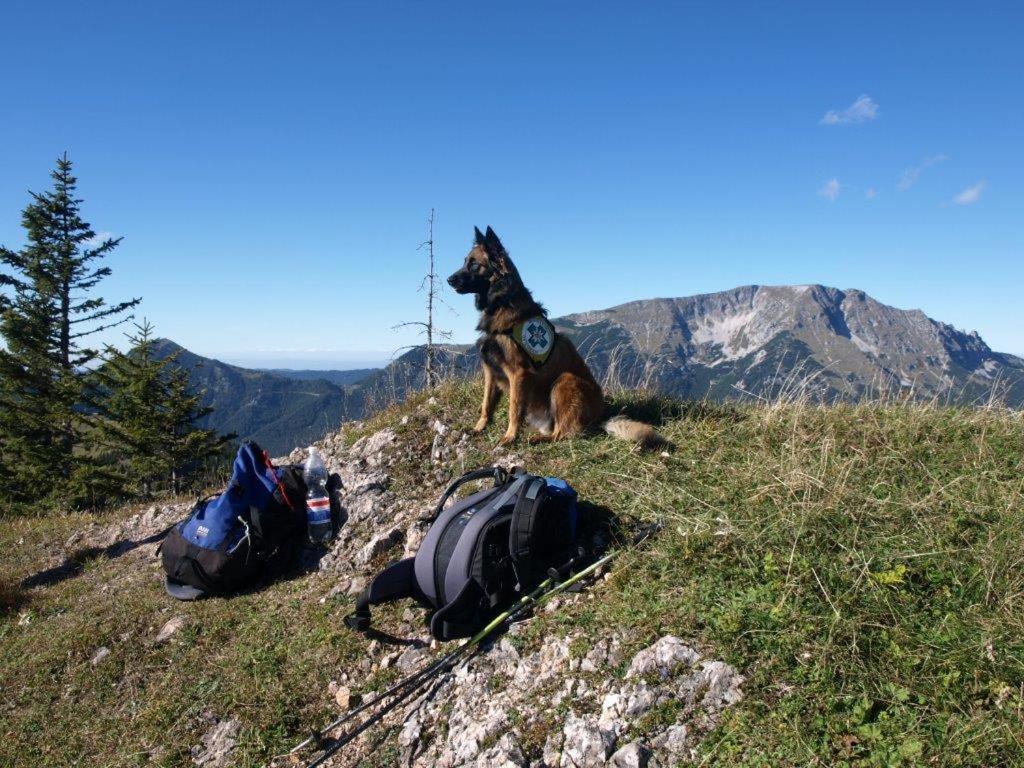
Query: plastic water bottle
[(318, 502)]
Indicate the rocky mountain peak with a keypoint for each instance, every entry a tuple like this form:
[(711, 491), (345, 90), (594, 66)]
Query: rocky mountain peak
[(849, 340)]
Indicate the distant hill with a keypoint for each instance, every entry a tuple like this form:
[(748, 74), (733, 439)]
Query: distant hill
[(406, 373), (279, 412), (282, 409), (341, 378)]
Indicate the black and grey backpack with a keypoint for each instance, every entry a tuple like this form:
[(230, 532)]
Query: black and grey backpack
[(481, 553)]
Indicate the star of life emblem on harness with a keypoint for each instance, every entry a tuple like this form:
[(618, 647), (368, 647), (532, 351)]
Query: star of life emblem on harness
[(537, 338)]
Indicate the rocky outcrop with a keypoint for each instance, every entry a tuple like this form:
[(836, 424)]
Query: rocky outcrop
[(522, 702), (495, 709)]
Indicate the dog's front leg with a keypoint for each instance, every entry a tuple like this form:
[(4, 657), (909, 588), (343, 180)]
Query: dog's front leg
[(491, 395), (515, 408)]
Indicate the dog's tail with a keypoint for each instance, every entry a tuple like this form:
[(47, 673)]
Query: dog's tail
[(644, 435)]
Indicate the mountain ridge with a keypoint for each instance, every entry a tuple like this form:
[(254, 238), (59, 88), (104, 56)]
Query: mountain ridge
[(749, 342), (852, 342)]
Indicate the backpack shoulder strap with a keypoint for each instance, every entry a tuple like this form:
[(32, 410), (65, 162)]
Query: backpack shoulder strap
[(457, 618), (542, 532), (393, 583), (498, 473), (523, 527)]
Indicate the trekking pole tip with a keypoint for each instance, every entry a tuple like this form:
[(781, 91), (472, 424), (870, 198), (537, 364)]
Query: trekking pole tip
[(647, 531)]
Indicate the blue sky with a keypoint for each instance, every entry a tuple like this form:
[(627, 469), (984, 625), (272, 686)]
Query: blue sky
[(271, 165)]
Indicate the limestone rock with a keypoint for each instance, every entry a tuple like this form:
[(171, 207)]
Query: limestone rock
[(505, 754), (633, 755), (378, 545), (168, 630), (371, 447), (343, 697), (663, 658), (723, 685), (605, 652), (586, 745), (411, 659), (216, 744), (553, 748), (672, 745)]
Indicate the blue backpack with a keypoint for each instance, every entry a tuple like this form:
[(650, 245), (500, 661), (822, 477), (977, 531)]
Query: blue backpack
[(230, 541)]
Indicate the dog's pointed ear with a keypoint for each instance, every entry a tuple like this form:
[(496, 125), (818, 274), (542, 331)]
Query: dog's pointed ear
[(496, 252), (478, 236)]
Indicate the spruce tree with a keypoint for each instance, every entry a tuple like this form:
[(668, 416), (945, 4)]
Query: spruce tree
[(49, 311), (145, 418)]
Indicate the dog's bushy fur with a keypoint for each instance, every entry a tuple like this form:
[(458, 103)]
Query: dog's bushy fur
[(560, 397)]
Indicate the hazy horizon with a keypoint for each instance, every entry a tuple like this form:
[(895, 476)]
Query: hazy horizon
[(342, 360), (291, 363)]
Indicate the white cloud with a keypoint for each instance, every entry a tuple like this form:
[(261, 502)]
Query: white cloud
[(910, 176), (863, 109), (830, 189), (870, 193), (970, 195)]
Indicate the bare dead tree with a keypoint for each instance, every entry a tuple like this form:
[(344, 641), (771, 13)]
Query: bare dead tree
[(433, 288)]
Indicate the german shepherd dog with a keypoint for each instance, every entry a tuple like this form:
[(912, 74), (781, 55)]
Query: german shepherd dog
[(559, 396)]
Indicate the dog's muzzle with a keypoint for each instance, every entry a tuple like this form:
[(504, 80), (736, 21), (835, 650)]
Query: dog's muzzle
[(458, 281)]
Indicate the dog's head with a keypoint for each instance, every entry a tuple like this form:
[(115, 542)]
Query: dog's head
[(486, 270)]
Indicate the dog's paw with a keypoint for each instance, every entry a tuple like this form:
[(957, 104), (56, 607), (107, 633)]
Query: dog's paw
[(480, 426), (508, 438), (540, 438)]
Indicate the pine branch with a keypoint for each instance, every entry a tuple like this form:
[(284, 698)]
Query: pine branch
[(107, 312), (411, 322), (99, 328)]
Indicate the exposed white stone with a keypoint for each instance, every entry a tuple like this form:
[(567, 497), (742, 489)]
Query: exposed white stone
[(378, 545), (672, 745), (214, 749), (723, 685), (505, 754), (168, 629), (633, 755), (662, 658), (586, 744), (371, 447)]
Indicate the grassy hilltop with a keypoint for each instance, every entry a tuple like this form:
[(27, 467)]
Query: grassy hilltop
[(862, 565)]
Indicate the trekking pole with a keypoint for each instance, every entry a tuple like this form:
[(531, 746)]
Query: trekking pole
[(405, 688), (427, 671), (644, 534)]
